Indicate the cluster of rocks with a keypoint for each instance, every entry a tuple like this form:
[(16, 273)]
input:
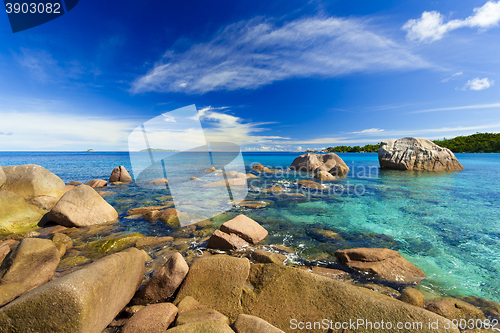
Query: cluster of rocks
[(324, 167)]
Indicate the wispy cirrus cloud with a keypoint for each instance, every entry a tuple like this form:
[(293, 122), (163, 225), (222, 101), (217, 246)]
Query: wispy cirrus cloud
[(452, 77), (431, 27), (463, 107), (479, 84), (258, 52)]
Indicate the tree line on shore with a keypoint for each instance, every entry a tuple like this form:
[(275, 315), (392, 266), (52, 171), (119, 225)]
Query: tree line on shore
[(475, 143)]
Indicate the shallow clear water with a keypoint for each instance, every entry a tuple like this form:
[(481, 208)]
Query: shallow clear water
[(446, 223)]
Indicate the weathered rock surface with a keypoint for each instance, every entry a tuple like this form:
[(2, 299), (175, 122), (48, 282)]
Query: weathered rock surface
[(314, 163), (223, 241), (31, 181), (231, 182), (306, 297), (413, 296), (245, 228), (31, 264), (210, 326), (452, 308), (251, 324), (97, 183), (114, 243), (332, 273), (143, 210), (416, 154), (146, 241), (16, 215), (385, 264), (85, 301), (2, 176), (268, 257), (75, 183), (155, 318), (201, 315), (223, 289), (120, 174), (188, 303), (165, 281), (260, 168), (82, 206), (45, 202)]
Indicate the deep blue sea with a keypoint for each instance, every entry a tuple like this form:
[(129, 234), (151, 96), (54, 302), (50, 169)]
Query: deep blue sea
[(448, 224)]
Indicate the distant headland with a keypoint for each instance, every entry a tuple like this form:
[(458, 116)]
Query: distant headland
[(156, 150)]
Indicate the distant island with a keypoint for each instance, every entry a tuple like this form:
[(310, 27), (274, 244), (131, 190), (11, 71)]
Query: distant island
[(90, 150), (475, 143), (156, 150)]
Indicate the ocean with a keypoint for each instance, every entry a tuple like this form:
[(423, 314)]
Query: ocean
[(445, 223)]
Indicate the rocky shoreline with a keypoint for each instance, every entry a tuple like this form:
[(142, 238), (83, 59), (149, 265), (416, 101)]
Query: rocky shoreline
[(67, 267)]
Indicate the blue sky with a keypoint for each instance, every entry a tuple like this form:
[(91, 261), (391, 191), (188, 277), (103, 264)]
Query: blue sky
[(268, 75)]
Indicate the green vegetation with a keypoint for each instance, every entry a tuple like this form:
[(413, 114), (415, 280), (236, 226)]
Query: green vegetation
[(349, 149), (475, 143), (90, 150)]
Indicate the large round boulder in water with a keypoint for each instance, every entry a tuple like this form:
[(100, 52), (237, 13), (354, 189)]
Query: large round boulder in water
[(318, 164), (31, 181), (82, 206), (416, 154), (120, 174)]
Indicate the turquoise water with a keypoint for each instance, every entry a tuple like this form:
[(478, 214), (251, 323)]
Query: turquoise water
[(447, 223)]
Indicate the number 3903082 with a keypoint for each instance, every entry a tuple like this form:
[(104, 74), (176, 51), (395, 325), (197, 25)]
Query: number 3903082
[(33, 8)]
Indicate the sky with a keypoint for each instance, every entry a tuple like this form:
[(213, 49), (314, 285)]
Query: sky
[(268, 75)]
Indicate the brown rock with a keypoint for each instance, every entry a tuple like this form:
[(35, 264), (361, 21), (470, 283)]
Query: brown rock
[(105, 193), (31, 264), (332, 273), (16, 215), (452, 308), (268, 257), (230, 182), (171, 216), (381, 289), (245, 228), (3, 178), (75, 183), (385, 264), (32, 181), (165, 282), (82, 206), (97, 183), (143, 210), (4, 250), (413, 296), (194, 316), (120, 174), (222, 241), (188, 303), (251, 176), (48, 231), (314, 163), (223, 290), (45, 202), (161, 181), (261, 168), (273, 189), (58, 238), (253, 204), (251, 324), (146, 241), (195, 179), (310, 184), (211, 169), (324, 176), (155, 318), (85, 301), (212, 326)]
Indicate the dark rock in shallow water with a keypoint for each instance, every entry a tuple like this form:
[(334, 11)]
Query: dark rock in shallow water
[(310, 184), (385, 264), (82, 206), (155, 318), (30, 265), (85, 301), (416, 154), (120, 174), (96, 183)]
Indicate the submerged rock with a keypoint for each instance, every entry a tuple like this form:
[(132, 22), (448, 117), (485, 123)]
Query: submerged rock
[(165, 281), (31, 181), (120, 174), (16, 215), (310, 184), (161, 181), (416, 154), (114, 243), (30, 265), (385, 264), (85, 301), (82, 206)]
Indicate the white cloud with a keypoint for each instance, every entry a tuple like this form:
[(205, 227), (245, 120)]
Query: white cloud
[(479, 84), (431, 27), (369, 131), (453, 77), (250, 54), (464, 107)]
